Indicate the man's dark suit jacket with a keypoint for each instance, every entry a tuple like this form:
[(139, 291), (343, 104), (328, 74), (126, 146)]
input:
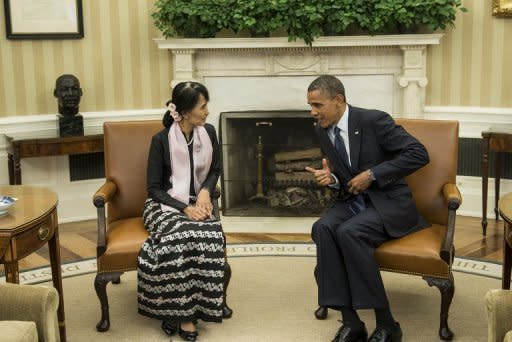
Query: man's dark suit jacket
[(377, 143)]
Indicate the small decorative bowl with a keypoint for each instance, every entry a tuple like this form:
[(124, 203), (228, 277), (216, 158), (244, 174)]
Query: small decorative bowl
[(5, 203)]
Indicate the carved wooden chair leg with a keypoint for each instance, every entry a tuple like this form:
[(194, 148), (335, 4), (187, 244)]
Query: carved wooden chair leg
[(322, 311), (447, 289), (100, 284), (226, 310)]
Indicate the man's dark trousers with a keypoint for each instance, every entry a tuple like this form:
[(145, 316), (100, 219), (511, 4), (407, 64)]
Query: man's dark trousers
[(347, 271)]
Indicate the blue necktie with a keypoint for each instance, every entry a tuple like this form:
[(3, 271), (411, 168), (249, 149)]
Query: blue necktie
[(339, 146), (357, 204)]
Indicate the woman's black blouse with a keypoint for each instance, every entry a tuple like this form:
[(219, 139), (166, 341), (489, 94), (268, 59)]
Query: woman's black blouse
[(159, 168)]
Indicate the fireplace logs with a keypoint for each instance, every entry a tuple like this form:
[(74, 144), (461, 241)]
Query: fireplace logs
[(290, 165), (292, 186)]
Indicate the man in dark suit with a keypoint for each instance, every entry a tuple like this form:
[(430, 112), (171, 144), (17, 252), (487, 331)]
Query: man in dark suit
[(368, 157)]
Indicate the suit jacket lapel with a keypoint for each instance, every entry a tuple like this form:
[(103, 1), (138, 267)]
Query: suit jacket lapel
[(354, 136)]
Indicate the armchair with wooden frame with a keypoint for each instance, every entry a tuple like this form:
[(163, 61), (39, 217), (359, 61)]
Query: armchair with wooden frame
[(429, 252), (121, 232)]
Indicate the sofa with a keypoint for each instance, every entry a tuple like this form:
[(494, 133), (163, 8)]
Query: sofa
[(499, 315), (28, 313)]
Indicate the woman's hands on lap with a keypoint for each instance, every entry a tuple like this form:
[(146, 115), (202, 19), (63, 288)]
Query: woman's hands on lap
[(196, 213), (204, 201), (202, 209)]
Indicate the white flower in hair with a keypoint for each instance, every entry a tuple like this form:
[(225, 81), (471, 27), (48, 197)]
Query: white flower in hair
[(172, 110)]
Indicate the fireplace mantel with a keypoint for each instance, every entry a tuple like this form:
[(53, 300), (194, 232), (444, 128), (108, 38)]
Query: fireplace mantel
[(282, 42), (401, 56)]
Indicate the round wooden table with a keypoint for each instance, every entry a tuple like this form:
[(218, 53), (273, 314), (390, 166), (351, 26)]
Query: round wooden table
[(31, 223), (505, 209)]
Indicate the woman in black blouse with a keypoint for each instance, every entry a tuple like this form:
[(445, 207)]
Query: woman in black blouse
[(181, 264)]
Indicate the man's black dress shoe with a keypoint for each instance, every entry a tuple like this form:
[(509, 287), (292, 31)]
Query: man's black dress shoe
[(347, 333), (170, 328), (387, 334), (187, 335)]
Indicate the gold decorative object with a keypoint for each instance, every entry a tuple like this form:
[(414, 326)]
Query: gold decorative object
[(502, 8)]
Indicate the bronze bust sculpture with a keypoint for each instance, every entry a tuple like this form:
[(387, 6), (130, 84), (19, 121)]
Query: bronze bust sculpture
[(68, 93)]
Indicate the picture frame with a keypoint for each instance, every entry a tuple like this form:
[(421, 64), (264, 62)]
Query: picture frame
[(48, 19), (502, 8)]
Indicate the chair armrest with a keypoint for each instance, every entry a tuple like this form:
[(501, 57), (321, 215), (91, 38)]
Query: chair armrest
[(104, 194), (31, 303), (216, 193), (453, 199), (215, 201), (499, 312), (452, 195)]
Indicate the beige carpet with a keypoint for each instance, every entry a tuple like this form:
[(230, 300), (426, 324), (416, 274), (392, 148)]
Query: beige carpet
[(273, 299)]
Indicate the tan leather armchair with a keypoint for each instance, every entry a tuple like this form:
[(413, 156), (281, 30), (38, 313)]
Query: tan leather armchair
[(28, 313), (429, 252), (121, 233), (499, 315)]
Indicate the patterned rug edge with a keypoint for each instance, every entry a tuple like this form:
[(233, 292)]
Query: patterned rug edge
[(240, 250)]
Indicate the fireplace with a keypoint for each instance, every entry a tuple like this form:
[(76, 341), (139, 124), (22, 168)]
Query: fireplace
[(264, 154), (262, 75)]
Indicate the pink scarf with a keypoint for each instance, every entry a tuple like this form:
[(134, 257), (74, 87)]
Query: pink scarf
[(180, 162)]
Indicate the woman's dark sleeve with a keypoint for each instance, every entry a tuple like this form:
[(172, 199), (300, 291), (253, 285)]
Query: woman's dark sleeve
[(155, 172), (215, 169)]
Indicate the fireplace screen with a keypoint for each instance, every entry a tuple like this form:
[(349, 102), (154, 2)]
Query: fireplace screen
[(264, 155)]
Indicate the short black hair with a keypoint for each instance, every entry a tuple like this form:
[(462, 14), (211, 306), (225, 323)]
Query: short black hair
[(185, 96), (329, 85)]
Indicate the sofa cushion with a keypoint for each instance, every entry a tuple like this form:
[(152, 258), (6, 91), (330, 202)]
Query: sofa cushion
[(18, 331)]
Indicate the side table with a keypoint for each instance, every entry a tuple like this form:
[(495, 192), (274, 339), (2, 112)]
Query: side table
[(505, 209), (26, 148), (496, 139), (31, 222)]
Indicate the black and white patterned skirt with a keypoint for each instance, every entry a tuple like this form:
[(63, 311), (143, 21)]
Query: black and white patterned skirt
[(180, 267)]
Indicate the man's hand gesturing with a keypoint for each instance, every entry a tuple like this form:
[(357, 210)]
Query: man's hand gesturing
[(323, 176)]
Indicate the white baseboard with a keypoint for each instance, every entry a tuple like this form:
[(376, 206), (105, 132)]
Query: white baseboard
[(75, 198), (471, 191)]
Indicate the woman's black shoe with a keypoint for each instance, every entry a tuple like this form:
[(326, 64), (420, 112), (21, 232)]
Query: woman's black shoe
[(187, 335), (169, 328)]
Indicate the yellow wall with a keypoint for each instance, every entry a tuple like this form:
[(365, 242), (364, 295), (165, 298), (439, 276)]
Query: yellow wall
[(473, 64), (117, 63), (120, 67)]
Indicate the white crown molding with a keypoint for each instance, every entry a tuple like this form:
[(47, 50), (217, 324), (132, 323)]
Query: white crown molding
[(473, 120)]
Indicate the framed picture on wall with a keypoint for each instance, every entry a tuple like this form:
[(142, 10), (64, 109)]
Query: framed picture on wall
[(502, 8), (44, 19)]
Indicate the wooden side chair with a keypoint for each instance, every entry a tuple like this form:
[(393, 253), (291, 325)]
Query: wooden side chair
[(429, 252), (121, 232)]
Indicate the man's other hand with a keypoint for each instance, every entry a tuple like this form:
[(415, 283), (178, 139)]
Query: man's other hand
[(360, 182)]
